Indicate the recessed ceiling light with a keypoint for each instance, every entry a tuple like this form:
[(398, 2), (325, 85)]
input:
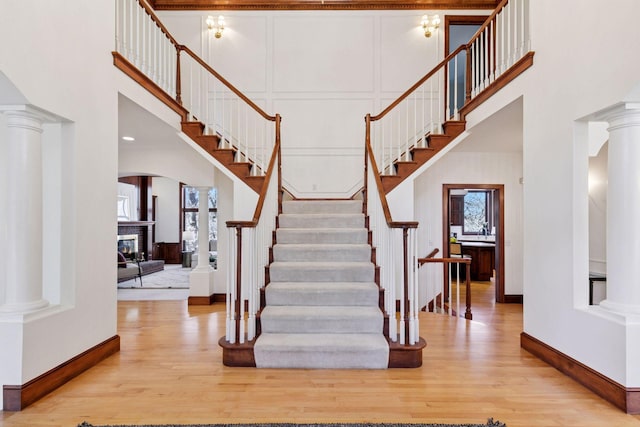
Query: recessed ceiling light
[(128, 138)]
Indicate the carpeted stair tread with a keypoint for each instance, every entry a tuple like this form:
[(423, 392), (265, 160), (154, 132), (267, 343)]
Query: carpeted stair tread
[(325, 220), (322, 351), (282, 271), (322, 235), (322, 293), (322, 206), (322, 301), (321, 252), (321, 319)]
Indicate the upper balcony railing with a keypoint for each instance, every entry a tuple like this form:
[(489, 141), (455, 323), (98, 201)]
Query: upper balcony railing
[(450, 90), (191, 87)]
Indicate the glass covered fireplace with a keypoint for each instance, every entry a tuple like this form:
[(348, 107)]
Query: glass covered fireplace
[(128, 245)]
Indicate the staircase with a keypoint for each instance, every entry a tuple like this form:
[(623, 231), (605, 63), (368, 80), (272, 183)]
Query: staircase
[(421, 155), (226, 156), (322, 302)]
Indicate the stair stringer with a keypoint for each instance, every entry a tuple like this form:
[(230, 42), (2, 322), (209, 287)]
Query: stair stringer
[(219, 165)]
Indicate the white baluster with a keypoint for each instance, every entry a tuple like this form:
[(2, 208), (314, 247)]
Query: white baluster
[(455, 88), (253, 266)]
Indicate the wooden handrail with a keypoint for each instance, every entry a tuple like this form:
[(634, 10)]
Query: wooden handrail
[(433, 253), (467, 261), (383, 198), (225, 82), (444, 62), (155, 19), (263, 194), (419, 83), (487, 21), (444, 260)]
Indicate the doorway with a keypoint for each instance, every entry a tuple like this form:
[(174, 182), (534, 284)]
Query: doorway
[(481, 224)]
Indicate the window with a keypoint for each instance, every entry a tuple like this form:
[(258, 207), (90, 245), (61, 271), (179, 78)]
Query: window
[(189, 205), (476, 218)]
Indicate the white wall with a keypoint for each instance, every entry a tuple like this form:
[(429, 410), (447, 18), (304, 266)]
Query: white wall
[(167, 209), (473, 168), (574, 75), (323, 71), (598, 213), (52, 74)]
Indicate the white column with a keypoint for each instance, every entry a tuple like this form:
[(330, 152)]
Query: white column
[(203, 228), (623, 210), (201, 277), (23, 291)]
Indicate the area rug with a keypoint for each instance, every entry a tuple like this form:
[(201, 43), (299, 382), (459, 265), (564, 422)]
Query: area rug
[(172, 277), (490, 423)]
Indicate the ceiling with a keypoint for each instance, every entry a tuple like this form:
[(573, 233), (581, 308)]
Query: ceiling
[(321, 4)]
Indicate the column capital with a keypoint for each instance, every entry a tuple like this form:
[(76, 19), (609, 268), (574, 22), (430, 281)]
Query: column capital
[(27, 117), (620, 115)]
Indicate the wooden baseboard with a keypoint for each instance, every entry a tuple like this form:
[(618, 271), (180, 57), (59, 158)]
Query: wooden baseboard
[(627, 399), (513, 299), (213, 298), (18, 397)]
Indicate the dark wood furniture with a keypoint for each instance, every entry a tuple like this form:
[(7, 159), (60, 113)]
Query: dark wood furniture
[(482, 259), (595, 277), (457, 210), (171, 253)]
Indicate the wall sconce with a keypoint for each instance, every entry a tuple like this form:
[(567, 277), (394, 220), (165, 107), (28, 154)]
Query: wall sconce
[(216, 25), (430, 24)]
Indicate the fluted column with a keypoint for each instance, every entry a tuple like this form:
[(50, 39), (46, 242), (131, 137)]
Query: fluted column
[(23, 291), (623, 210)]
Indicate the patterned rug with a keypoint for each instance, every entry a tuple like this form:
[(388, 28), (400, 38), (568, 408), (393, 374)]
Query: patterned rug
[(172, 277), (490, 423)]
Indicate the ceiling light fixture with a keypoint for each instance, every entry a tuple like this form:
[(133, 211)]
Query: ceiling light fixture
[(430, 24), (128, 138), (217, 26)]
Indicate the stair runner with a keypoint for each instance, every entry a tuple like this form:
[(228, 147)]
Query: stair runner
[(322, 302)]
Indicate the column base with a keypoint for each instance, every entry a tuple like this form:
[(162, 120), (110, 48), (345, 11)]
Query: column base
[(24, 307), (201, 281)]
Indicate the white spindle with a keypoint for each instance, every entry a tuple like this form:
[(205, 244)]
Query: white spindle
[(458, 289), (431, 121), (455, 88)]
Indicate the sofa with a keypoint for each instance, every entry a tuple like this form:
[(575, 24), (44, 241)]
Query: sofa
[(130, 269)]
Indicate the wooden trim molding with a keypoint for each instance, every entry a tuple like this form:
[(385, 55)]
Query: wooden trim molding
[(513, 299), (211, 299), (18, 397), (130, 70), (627, 399), (321, 5)]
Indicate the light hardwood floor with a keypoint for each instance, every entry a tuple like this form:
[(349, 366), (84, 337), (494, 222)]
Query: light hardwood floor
[(169, 371)]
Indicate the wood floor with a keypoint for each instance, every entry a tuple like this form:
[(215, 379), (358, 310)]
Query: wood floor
[(170, 371)]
